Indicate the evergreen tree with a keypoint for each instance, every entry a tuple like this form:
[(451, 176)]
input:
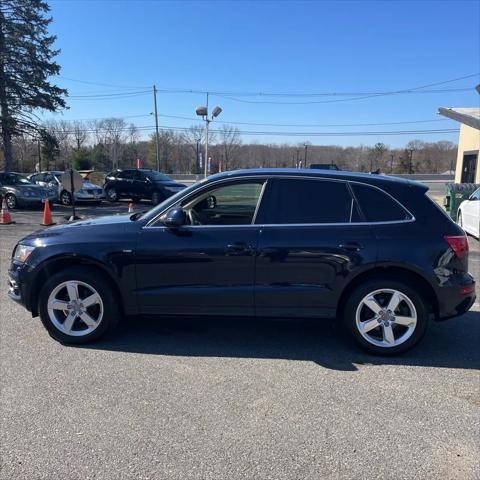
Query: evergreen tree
[(26, 62)]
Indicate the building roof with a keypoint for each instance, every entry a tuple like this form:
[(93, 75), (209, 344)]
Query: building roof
[(467, 116)]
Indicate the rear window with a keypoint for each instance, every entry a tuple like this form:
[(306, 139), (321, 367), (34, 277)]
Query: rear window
[(377, 206), (304, 201)]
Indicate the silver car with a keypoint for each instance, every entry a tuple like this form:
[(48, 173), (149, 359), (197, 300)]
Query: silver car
[(53, 179), (18, 191)]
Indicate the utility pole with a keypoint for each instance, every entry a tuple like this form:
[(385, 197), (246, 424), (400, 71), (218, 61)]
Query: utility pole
[(392, 156), (157, 140), (298, 152), (305, 155)]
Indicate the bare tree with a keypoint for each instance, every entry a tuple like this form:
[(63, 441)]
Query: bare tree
[(79, 133), (230, 142)]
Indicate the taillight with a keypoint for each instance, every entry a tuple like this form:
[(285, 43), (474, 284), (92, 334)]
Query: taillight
[(458, 243)]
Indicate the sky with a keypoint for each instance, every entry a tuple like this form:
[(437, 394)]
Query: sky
[(240, 49)]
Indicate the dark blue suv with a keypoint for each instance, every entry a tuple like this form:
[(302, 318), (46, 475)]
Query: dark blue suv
[(371, 251)]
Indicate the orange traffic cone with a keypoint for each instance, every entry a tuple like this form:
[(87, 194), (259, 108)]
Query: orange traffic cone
[(5, 217), (130, 207), (47, 215)]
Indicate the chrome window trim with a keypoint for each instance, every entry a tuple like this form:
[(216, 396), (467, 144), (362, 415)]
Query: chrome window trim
[(265, 179)]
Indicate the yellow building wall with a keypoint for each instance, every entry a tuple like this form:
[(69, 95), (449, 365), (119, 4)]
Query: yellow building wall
[(468, 141)]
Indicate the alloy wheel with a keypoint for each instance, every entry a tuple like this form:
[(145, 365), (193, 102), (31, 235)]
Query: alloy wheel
[(65, 198), (111, 194), (75, 308), (386, 318), (11, 201)]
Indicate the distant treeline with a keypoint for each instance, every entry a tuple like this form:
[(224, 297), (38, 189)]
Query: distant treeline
[(113, 143)]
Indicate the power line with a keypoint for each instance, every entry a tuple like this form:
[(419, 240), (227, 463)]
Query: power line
[(146, 128), (312, 124), (418, 89)]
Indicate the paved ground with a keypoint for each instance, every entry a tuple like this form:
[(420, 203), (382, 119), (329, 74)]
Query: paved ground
[(233, 399)]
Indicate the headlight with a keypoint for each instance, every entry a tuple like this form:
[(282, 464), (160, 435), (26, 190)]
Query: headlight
[(22, 252)]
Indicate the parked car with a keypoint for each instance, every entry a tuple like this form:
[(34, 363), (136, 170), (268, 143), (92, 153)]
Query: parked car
[(18, 191), (53, 179), (468, 216), (374, 252), (140, 183)]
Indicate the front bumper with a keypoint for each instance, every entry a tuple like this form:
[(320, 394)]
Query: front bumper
[(89, 197)]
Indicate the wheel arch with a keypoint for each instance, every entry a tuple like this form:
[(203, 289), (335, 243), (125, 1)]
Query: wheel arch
[(54, 265), (393, 272)]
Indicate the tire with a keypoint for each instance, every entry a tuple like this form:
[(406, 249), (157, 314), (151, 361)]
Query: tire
[(156, 198), (389, 333), (112, 195), (11, 201), (102, 315), (65, 198)]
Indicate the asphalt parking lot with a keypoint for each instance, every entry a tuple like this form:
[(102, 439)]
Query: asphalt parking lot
[(233, 399)]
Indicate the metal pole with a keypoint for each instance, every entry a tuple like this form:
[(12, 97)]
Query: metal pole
[(157, 146), (298, 152), (196, 160), (207, 121), (73, 195), (305, 166), (39, 156)]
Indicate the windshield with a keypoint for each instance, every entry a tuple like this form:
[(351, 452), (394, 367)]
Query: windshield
[(15, 179), (157, 176), (152, 213)]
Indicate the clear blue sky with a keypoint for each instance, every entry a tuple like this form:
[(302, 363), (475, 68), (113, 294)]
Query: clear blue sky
[(272, 47)]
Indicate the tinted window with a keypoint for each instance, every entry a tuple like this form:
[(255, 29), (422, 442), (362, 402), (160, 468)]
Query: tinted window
[(308, 201), (157, 176), (377, 206), (126, 174), (139, 176)]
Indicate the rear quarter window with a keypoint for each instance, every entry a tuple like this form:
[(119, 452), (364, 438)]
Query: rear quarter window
[(377, 206)]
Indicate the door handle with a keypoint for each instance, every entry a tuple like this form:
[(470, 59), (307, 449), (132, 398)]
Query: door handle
[(239, 248), (351, 246)]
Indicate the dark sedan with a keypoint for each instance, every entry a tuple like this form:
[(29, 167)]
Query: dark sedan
[(138, 184), (374, 252), (18, 191)]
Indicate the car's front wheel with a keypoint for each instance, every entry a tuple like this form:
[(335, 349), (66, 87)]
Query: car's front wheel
[(77, 305), (112, 195), (385, 316), (11, 201)]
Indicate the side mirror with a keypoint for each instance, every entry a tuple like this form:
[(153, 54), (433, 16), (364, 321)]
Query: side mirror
[(174, 218)]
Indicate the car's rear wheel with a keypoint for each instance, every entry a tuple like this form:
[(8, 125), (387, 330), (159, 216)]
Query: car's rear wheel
[(65, 198), (385, 316), (11, 201), (112, 195), (78, 305), (156, 198)]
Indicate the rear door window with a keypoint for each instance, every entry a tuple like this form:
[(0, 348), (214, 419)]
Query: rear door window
[(378, 206), (307, 201)]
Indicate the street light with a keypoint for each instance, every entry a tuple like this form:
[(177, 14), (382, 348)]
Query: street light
[(203, 112)]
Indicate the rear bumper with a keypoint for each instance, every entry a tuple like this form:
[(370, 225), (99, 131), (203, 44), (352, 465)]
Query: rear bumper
[(455, 300)]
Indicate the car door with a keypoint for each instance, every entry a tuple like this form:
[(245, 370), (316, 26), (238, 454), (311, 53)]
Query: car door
[(311, 242), (471, 213), (139, 186), (206, 266), (124, 183)]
